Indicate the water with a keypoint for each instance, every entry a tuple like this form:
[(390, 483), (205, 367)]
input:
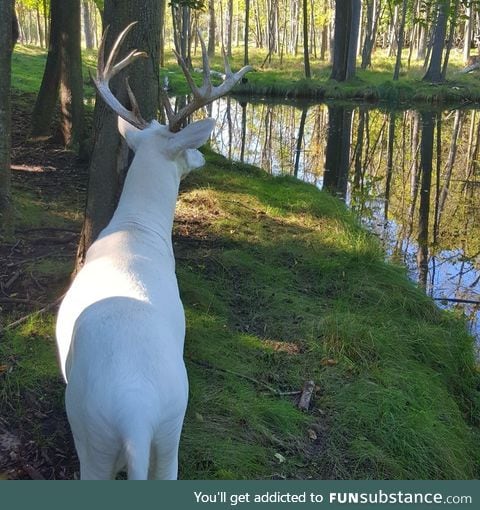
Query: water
[(412, 177)]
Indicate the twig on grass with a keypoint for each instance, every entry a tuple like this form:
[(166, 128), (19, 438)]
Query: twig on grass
[(46, 308), (205, 364)]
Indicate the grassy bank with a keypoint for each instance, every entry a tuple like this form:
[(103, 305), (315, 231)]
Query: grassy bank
[(280, 286), (285, 79)]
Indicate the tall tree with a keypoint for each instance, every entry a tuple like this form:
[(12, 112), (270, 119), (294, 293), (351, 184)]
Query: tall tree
[(468, 31), (229, 28), (247, 21), (110, 155), (434, 71), (401, 35), (451, 35), (212, 27), (306, 54), (6, 207), (87, 24), (347, 20), (371, 24), (62, 78)]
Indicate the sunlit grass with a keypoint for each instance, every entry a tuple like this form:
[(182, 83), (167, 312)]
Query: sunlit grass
[(285, 77)]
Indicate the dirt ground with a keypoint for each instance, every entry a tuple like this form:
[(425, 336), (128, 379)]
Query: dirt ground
[(48, 173)]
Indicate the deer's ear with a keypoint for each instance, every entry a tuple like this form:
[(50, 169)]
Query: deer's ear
[(193, 136), (129, 132)]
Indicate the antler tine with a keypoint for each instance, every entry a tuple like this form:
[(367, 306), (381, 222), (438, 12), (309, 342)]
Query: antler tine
[(106, 71), (134, 103), (117, 44), (207, 81), (166, 104), (207, 93), (187, 74), (226, 63)]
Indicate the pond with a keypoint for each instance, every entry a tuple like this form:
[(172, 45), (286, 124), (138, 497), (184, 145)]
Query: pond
[(412, 177)]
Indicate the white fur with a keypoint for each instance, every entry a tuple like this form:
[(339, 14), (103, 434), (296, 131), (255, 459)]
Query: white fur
[(121, 326)]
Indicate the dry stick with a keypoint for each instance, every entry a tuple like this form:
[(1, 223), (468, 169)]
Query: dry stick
[(306, 396), (37, 312), (455, 300), (205, 364)]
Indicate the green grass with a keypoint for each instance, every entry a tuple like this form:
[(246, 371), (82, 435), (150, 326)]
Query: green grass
[(281, 285), (286, 79)]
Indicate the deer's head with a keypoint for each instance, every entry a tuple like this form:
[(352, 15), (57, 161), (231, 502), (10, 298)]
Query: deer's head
[(161, 143), (168, 141)]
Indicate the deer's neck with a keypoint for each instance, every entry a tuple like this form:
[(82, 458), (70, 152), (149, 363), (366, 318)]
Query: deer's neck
[(149, 195)]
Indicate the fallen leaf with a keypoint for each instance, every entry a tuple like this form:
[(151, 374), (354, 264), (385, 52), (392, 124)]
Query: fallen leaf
[(312, 434), (280, 457), (328, 362)]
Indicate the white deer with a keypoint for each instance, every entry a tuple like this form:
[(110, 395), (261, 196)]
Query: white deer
[(121, 326)]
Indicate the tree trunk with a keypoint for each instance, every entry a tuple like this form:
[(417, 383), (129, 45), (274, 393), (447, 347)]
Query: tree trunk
[(423, 32), (247, 20), (63, 76), (453, 26), (6, 45), (369, 37), (39, 28), (229, 28), (306, 55), (347, 19), (212, 26), (401, 34), (468, 33), (109, 157), (434, 71), (161, 55), (15, 26), (71, 77), (87, 24)]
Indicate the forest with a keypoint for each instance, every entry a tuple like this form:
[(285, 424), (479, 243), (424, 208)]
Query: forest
[(329, 246)]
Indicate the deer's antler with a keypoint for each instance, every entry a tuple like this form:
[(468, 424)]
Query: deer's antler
[(106, 71), (201, 95)]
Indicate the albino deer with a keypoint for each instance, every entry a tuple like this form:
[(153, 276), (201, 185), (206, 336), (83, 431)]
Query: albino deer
[(121, 326)]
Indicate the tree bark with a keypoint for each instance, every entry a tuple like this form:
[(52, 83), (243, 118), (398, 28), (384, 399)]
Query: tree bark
[(434, 71), (401, 34), (212, 26), (453, 25), (110, 154), (6, 206), (347, 19), (62, 77), (306, 55), (87, 24), (247, 20), (229, 28), (468, 32)]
